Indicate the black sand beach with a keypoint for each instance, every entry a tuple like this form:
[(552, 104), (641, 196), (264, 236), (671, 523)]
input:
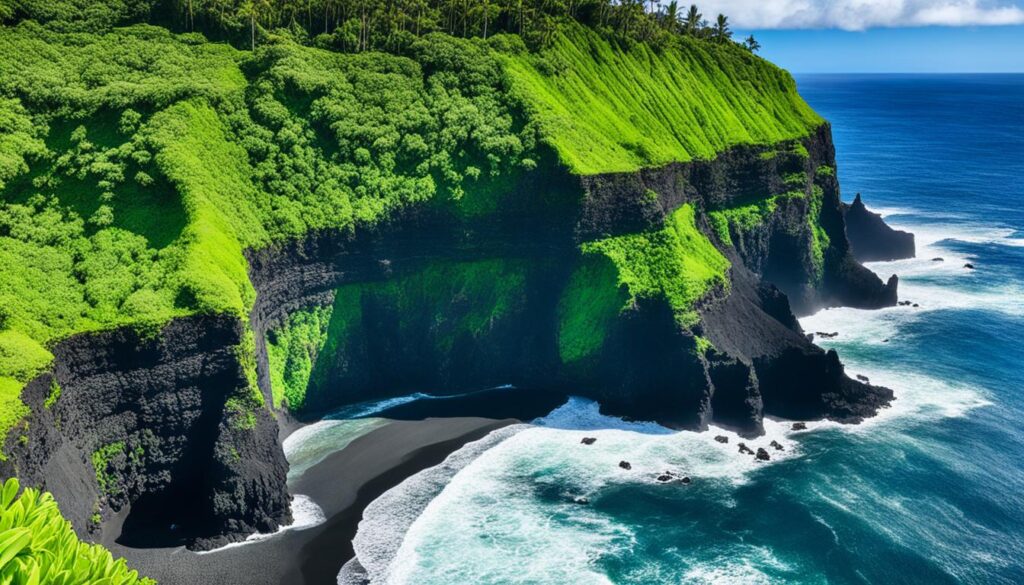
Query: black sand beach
[(343, 484)]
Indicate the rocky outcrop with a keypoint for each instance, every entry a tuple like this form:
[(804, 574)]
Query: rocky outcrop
[(150, 422), (871, 240)]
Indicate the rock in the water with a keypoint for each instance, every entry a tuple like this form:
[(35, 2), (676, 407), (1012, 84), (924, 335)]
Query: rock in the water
[(625, 465), (762, 455), (582, 500), (778, 446), (722, 439), (871, 239), (886, 340), (916, 305), (588, 440), (938, 259), (745, 449), (863, 378), (969, 266), (799, 426), (664, 478), (685, 480)]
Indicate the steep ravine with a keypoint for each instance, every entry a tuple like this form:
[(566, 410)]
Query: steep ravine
[(177, 449)]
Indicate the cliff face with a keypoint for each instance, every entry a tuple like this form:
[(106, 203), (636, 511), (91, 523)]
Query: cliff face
[(440, 303), (146, 423)]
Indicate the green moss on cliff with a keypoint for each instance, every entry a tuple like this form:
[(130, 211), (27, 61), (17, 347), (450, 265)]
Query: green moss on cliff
[(609, 108), (426, 312), (587, 309), (101, 460), (292, 350), (677, 263)]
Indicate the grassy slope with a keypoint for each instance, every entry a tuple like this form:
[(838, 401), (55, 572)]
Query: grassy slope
[(135, 166), (606, 108)]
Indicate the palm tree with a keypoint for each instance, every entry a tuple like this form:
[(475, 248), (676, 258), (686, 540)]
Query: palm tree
[(722, 32), (671, 16), (751, 44), (691, 22)]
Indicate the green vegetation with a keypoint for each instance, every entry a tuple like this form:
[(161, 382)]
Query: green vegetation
[(820, 240), (292, 350), (826, 171), (38, 546), (101, 460), (677, 263), (606, 107), (436, 306), (54, 394), (743, 218), (590, 302), (136, 164)]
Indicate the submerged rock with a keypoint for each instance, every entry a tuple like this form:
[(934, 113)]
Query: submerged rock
[(762, 455), (581, 500), (722, 439), (665, 478), (588, 440), (799, 426), (969, 266), (625, 465), (938, 259)]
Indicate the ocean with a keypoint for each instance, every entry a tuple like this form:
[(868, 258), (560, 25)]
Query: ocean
[(931, 491)]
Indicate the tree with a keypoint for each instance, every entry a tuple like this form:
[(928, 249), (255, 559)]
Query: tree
[(751, 44), (692, 22), (722, 32), (670, 19)]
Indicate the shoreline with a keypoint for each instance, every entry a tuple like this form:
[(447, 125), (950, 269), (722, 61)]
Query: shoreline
[(342, 485)]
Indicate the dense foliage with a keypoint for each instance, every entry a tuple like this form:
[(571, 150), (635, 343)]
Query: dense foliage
[(390, 25), (606, 106), (38, 546)]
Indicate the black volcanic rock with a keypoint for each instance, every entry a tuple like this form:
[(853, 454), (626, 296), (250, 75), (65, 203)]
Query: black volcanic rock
[(799, 426), (969, 266), (778, 446), (722, 439), (762, 455), (871, 239), (588, 440), (625, 465), (745, 449)]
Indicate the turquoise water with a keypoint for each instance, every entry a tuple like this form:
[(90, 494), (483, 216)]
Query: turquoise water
[(931, 491)]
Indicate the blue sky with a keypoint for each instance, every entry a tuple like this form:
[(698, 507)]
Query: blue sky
[(896, 50), (892, 36)]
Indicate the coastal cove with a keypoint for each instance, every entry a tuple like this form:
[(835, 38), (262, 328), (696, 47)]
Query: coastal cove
[(445, 293), (841, 503), (912, 488)]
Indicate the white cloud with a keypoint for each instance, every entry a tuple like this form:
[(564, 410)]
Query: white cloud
[(862, 14)]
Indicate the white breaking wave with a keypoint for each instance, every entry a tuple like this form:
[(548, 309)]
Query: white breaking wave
[(506, 510), (480, 492), (305, 514), (311, 444), (387, 519)]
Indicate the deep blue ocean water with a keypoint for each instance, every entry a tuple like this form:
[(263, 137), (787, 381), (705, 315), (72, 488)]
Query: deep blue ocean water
[(931, 491)]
